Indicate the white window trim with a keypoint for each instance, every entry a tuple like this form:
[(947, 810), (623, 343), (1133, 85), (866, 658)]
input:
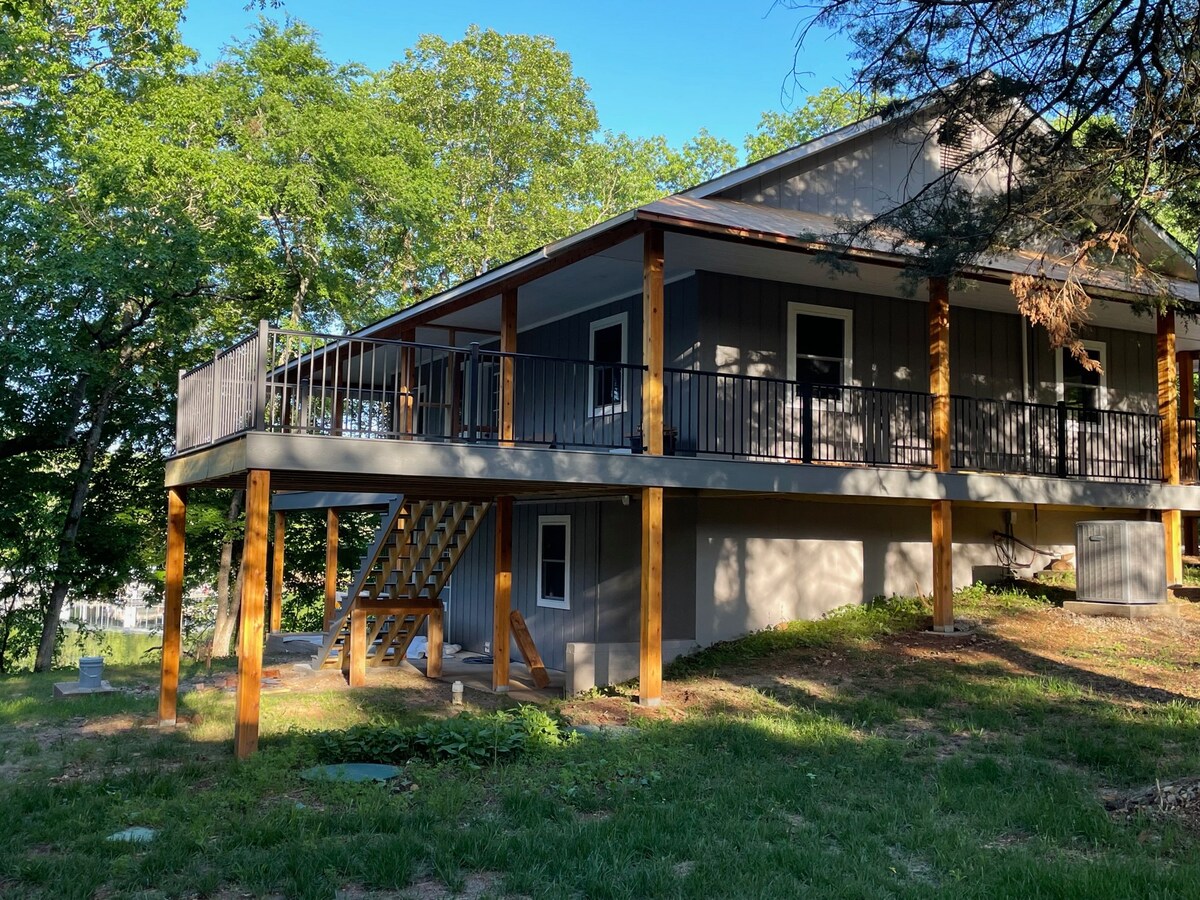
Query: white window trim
[(552, 602), (825, 312), (1101, 351), (610, 409)]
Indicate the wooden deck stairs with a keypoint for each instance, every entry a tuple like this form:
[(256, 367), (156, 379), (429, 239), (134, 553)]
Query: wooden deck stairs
[(397, 589)]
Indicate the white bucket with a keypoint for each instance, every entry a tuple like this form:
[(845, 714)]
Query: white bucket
[(90, 670)]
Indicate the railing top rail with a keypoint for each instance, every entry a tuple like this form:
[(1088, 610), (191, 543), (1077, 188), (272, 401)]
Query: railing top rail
[(222, 354)]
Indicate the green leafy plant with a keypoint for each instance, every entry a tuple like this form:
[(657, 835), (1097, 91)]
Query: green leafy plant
[(476, 740)]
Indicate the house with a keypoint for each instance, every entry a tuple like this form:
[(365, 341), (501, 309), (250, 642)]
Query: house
[(682, 424)]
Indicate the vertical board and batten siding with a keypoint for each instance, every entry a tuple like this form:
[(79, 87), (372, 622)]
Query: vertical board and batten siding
[(1130, 375), (605, 578), (743, 330), (863, 177), (985, 354)]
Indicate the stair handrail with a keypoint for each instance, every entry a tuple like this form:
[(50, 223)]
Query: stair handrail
[(386, 525)]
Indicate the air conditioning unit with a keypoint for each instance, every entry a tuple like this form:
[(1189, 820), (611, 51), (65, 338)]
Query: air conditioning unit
[(1120, 562)]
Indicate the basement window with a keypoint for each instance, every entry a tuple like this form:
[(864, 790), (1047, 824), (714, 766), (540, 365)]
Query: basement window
[(554, 562)]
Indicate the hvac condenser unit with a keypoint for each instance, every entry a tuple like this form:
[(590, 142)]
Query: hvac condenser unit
[(1120, 562)]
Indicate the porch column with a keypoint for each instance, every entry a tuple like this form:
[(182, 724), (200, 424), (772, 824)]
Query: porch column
[(1168, 409), (1188, 473), (939, 387), (408, 399), (250, 622), (172, 605), (277, 576), (502, 598), (331, 565), (650, 662), (508, 344)]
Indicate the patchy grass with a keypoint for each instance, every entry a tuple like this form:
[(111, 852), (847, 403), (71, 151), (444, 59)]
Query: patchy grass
[(852, 757)]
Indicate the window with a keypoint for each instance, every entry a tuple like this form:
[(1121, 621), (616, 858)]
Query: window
[(1079, 387), (554, 562), (606, 381), (819, 344)]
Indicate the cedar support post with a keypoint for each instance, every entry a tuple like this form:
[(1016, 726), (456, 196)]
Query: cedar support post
[(356, 664), (434, 640), (650, 663), (331, 565), (502, 600), (407, 379), (508, 344), (172, 605), (1168, 409), (277, 576), (250, 624), (1189, 470), (939, 387), (650, 668)]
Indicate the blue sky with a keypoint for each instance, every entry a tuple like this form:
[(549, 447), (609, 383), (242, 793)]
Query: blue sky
[(666, 67)]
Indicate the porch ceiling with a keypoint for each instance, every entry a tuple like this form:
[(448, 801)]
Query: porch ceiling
[(617, 273)]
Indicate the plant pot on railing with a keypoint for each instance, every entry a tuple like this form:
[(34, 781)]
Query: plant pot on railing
[(670, 440)]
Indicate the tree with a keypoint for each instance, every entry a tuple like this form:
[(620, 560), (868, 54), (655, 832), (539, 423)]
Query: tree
[(334, 190), (827, 110), (505, 119), (1095, 104)]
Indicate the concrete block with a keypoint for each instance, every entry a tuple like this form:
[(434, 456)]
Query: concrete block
[(75, 689), (1122, 610), (592, 665)]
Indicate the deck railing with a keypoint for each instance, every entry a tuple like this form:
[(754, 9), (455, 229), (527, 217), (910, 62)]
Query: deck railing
[(294, 382), (1056, 440), (752, 417)]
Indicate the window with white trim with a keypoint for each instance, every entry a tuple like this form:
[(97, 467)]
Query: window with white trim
[(1083, 388), (554, 562), (606, 375), (819, 342)]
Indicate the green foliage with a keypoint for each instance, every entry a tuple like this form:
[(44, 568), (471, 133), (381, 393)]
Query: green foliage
[(475, 740), (829, 109), (843, 626)]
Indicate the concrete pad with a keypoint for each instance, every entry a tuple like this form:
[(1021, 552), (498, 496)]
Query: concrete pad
[(64, 689), (479, 678), (1122, 610)]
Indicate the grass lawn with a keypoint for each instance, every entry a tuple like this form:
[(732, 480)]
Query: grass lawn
[(852, 757)]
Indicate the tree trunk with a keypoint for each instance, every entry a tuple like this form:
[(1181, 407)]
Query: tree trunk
[(227, 603), (67, 538)]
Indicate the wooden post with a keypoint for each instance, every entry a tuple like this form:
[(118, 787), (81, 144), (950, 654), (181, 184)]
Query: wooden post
[(943, 567), (331, 566), (172, 605), (250, 624), (277, 576), (508, 344), (650, 669), (356, 663), (941, 518), (652, 333), (1168, 409), (408, 399), (1187, 415), (939, 370), (502, 599), (434, 639), (529, 650)]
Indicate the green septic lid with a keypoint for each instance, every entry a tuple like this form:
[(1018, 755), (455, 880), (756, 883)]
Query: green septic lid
[(351, 772)]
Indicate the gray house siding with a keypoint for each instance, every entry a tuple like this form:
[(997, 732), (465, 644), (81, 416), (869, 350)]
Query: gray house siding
[(605, 578)]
